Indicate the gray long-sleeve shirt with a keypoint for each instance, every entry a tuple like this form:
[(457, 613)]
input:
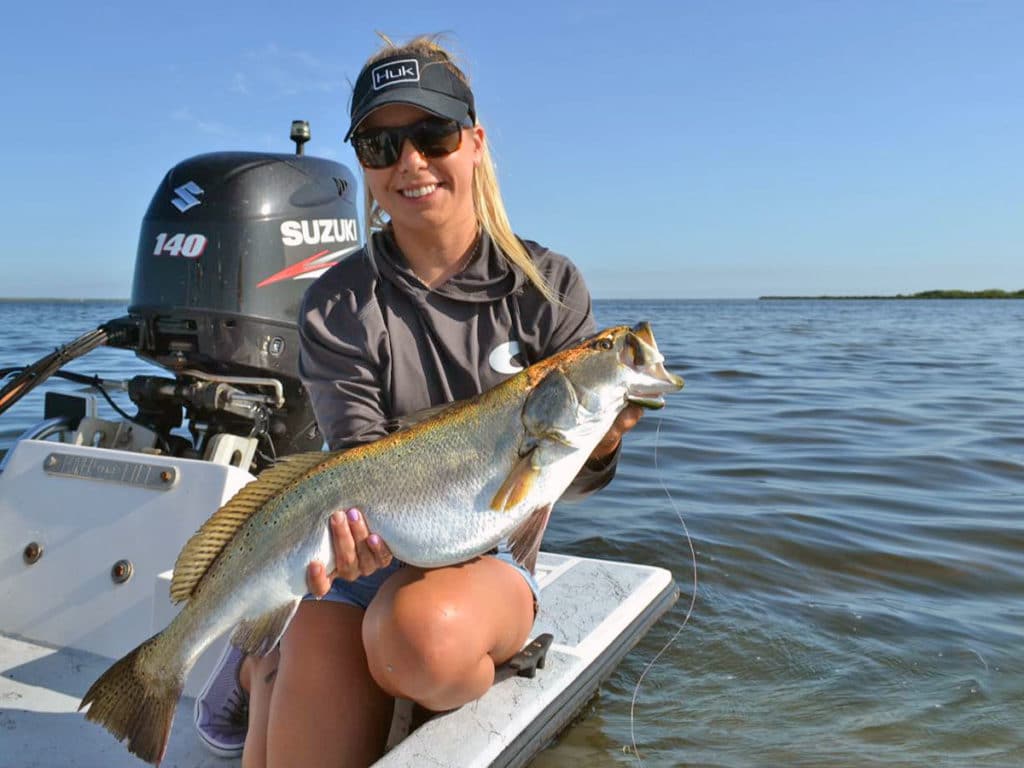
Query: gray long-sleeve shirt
[(377, 344)]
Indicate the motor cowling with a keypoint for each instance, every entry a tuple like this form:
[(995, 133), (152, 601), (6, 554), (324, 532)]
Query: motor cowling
[(228, 246)]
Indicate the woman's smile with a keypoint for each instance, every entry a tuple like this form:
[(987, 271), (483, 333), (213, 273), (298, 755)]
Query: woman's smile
[(419, 190), (414, 192)]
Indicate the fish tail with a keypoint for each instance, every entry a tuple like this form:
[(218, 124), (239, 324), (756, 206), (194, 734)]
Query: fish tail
[(134, 706)]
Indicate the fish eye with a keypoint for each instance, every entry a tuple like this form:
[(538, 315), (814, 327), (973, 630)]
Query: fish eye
[(605, 343)]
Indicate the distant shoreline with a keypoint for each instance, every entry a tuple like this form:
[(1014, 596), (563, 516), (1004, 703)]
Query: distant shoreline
[(992, 293), (53, 300), (986, 294)]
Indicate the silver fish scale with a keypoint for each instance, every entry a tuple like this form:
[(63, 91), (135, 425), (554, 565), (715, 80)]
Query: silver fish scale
[(435, 509)]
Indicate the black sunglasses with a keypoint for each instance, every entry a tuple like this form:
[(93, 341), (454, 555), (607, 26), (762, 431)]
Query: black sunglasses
[(433, 137)]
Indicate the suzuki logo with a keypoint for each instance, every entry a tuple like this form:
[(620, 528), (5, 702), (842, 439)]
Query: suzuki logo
[(186, 196)]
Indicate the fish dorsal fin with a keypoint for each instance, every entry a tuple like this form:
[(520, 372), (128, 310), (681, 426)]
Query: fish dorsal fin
[(209, 541), (417, 417), (525, 540)]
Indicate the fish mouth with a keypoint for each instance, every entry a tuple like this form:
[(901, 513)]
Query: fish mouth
[(651, 403), (651, 398), (652, 380)]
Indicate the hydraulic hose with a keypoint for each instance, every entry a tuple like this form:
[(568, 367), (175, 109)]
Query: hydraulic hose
[(30, 377)]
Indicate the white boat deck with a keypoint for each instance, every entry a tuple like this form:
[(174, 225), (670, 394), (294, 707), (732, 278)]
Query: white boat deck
[(64, 618), (596, 611)]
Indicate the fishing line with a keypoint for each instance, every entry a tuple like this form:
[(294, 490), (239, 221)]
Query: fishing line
[(689, 611)]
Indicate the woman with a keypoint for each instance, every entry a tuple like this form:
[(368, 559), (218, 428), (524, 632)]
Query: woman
[(443, 302)]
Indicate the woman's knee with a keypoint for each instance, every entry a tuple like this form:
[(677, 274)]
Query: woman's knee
[(422, 646), (428, 632)]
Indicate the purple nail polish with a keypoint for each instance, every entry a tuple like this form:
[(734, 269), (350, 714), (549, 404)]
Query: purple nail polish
[(374, 540), (353, 515)]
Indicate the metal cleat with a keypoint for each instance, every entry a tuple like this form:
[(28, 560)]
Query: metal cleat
[(527, 661)]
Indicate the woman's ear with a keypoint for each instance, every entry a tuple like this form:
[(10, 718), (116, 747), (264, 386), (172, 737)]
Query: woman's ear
[(478, 143)]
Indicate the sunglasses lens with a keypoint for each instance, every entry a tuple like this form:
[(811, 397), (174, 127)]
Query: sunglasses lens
[(376, 150), (436, 138), (431, 138)]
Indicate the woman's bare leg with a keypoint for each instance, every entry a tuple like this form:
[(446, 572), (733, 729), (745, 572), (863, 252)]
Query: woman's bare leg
[(325, 709), (436, 636), (257, 677), (432, 636)]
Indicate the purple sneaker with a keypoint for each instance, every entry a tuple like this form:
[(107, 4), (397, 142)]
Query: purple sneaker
[(222, 708)]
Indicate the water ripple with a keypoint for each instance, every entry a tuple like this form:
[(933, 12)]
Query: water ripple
[(851, 474)]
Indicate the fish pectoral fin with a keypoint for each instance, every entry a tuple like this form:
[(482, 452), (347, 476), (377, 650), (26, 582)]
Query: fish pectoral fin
[(525, 540), (258, 636), (518, 483)]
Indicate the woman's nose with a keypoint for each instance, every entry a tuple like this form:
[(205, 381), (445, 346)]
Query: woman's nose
[(411, 157)]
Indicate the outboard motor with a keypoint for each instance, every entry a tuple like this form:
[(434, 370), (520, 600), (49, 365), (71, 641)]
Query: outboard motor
[(228, 246)]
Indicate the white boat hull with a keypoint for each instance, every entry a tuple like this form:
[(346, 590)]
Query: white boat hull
[(63, 618)]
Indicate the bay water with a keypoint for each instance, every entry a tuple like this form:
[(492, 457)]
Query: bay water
[(851, 474)]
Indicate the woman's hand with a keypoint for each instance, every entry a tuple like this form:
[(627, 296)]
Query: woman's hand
[(357, 552), (623, 423)]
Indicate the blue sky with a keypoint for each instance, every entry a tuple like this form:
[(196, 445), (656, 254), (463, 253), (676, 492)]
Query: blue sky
[(672, 149)]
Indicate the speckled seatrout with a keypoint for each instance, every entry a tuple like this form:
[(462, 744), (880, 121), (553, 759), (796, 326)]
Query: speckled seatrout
[(439, 492)]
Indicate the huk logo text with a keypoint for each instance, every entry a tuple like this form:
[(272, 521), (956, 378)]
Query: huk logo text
[(404, 71)]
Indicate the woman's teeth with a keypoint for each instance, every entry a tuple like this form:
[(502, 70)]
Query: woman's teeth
[(419, 191)]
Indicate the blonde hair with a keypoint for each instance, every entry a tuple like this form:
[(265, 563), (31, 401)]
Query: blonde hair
[(487, 201)]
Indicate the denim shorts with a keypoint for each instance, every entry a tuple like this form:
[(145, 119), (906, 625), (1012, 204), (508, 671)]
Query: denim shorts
[(361, 591)]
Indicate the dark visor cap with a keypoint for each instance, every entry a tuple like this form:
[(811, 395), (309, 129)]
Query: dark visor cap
[(409, 79)]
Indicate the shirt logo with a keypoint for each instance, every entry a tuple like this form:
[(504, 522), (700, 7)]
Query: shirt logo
[(185, 196), (394, 72), (501, 358)]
